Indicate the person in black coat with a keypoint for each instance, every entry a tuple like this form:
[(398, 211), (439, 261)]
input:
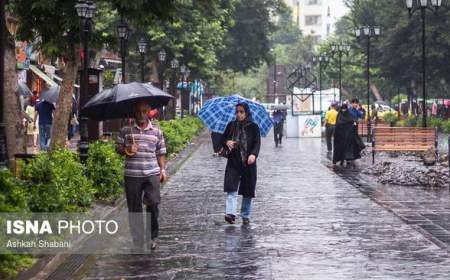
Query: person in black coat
[(242, 139), (347, 144)]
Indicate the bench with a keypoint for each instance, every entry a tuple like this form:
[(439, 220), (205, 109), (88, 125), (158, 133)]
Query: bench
[(403, 139), (362, 127)]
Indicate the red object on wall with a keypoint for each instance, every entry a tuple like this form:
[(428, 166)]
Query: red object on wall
[(153, 113)]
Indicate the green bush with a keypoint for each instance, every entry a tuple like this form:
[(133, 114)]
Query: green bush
[(435, 122), (390, 117), (446, 126), (13, 197), (105, 168), (410, 121), (56, 183), (11, 264), (178, 133)]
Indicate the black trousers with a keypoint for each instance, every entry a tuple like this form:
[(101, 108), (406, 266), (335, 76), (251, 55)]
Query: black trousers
[(278, 133), (329, 133), (143, 190)]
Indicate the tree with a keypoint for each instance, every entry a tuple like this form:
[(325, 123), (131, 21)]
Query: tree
[(54, 26), (247, 45), (15, 136)]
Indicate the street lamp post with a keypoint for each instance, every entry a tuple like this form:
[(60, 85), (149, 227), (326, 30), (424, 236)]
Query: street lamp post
[(142, 46), (162, 58), (423, 5), (322, 60), (174, 64), (368, 32), (124, 32), (340, 50), (183, 70), (3, 153), (85, 11)]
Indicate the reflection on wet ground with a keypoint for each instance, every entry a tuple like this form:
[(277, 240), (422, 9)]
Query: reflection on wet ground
[(308, 222)]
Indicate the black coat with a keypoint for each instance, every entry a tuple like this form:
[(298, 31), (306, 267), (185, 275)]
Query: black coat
[(347, 143), (238, 175)]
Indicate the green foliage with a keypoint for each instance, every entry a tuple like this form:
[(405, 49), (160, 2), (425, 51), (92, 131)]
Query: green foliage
[(411, 121), (13, 197), (11, 264), (108, 78), (435, 122), (56, 183), (178, 133), (390, 117), (105, 168), (399, 98), (446, 126)]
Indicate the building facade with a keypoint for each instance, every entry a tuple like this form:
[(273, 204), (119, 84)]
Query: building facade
[(317, 18)]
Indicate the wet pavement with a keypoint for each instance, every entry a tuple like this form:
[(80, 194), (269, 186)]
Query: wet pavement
[(308, 222)]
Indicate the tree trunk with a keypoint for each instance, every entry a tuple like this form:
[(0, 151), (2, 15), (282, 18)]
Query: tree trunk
[(171, 107), (376, 92), (15, 131), (64, 105)]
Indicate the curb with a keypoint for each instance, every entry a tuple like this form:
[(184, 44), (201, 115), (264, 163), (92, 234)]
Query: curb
[(49, 266)]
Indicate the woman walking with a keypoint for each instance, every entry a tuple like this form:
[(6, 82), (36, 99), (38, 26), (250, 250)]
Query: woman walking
[(347, 143), (242, 142)]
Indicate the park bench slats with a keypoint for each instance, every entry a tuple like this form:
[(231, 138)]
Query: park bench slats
[(402, 139), (362, 127)]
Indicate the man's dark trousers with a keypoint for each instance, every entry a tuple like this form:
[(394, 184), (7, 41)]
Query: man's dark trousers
[(135, 188), (329, 132)]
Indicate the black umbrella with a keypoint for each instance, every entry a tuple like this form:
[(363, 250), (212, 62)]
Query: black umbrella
[(51, 94), (118, 102), (24, 90)]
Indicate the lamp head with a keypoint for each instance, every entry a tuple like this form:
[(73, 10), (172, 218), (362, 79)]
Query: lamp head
[(142, 45), (162, 55)]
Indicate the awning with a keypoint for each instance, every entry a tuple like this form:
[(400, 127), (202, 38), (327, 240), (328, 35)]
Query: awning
[(58, 78), (42, 75)]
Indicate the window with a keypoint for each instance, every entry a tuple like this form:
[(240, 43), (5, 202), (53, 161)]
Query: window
[(313, 2), (313, 20), (316, 39), (329, 11), (328, 29)]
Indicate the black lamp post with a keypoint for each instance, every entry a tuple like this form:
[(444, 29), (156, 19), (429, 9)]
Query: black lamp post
[(162, 55), (183, 70), (322, 60), (423, 5), (85, 11), (124, 32), (368, 32), (340, 50), (142, 46), (275, 80), (174, 64), (3, 153)]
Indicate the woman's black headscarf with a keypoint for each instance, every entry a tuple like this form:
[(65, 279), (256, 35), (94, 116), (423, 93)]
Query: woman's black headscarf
[(241, 135)]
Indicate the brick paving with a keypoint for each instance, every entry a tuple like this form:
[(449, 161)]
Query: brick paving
[(308, 222)]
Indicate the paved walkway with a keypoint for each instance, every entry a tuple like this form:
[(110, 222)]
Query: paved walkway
[(308, 223)]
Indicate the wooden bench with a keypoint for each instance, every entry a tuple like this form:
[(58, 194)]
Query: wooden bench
[(403, 139), (363, 127)]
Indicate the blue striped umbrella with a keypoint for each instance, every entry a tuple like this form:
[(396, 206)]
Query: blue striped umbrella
[(218, 112)]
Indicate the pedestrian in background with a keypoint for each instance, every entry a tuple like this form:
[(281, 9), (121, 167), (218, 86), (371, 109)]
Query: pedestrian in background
[(242, 139), (347, 144), (278, 121), (32, 131), (330, 124), (45, 113)]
